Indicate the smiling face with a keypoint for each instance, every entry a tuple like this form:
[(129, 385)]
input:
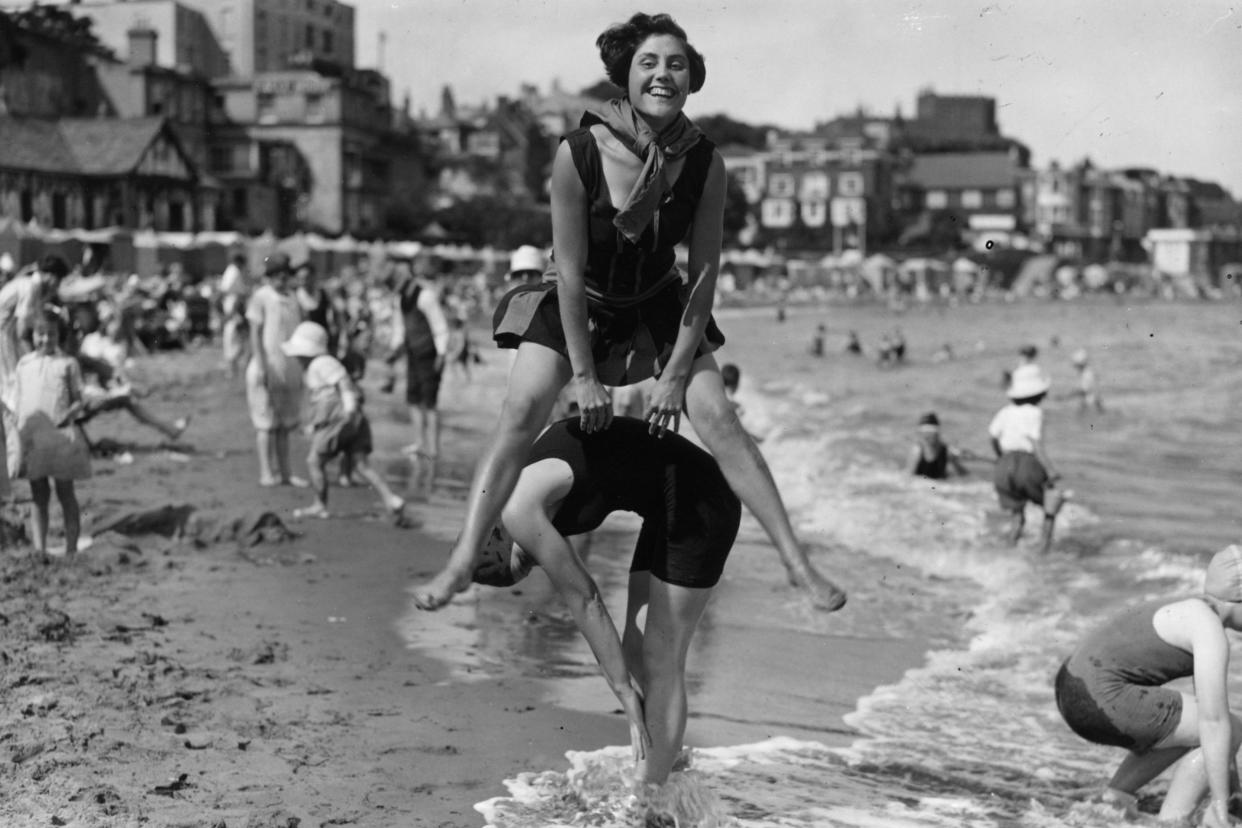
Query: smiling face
[(659, 79)]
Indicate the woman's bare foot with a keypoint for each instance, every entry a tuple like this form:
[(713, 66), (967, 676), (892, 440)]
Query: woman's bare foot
[(440, 590), (825, 595)]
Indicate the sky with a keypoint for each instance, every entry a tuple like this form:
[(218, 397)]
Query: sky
[(1152, 83)]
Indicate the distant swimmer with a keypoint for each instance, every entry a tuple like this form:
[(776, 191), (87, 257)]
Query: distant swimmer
[(571, 482), (1110, 692), (931, 456), (817, 342), (1023, 470), (1087, 392), (852, 344)]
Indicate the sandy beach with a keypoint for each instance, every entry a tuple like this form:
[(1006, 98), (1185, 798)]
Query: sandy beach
[(247, 671)]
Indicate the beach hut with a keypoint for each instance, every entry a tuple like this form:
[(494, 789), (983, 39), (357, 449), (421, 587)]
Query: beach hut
[(1035, 276), (966, 275), (880, 271), (926, 276)]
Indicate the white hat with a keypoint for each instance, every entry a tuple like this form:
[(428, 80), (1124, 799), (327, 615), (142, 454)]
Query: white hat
[(526, 257), (6, 262), (1080, 357), (1028, 381), (309, 340)]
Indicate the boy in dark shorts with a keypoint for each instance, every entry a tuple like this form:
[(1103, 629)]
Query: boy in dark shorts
[(1024, 473), (338, 426), (571, 482)]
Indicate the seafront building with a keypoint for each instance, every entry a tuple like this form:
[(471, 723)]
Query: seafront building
[(280, 129)]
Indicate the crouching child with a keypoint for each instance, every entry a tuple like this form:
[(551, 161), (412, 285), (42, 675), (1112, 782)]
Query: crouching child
[(338, 425)]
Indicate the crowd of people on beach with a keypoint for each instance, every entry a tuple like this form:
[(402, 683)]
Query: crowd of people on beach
[(574, 441)]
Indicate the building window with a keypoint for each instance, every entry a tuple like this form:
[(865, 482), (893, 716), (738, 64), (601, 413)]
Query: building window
[(851, 184), (265, 107), (176, 216), (936, 200), (310, 36), (314, 108), (60, 212), (814, 213), (777, 212), (328, 42), (972, 199), (815, 186), (1004, 198), (239, 202), (781, 185)]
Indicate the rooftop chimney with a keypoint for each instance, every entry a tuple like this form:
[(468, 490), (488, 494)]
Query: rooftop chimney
[(142, 46)]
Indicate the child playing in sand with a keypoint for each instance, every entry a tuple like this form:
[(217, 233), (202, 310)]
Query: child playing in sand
[(53, 449), (336, 420), (1023, 470)]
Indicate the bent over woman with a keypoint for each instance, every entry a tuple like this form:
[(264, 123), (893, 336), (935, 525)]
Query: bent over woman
[(573, 479), (1110, 692), (627, 187)]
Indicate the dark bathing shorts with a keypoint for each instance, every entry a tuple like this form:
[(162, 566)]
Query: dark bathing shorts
[(1019, 477), (422, 381)]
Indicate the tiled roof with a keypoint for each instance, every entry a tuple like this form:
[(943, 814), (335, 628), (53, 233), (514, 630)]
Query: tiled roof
[(963, 170), (110, 146), (83, 146)]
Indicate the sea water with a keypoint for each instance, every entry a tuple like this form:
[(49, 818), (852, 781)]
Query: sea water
[(970, 736)]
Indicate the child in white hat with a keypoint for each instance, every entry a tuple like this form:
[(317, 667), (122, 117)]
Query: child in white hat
[(1024, 473), (337, 423)]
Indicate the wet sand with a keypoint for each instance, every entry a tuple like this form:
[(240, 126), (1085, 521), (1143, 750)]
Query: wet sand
[(207, 680)]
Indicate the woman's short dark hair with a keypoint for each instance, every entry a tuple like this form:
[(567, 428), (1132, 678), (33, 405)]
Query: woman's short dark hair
[(620, 41)]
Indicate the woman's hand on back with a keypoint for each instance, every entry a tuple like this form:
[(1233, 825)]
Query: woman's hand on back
[(594, 404), (664, 406)]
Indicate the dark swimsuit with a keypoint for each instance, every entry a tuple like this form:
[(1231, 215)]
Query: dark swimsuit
[(936, 468), (1109, 691), (635, 294), (690, 515)]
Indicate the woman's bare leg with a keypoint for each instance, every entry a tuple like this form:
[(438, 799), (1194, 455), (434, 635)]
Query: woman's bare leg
[(538, 374), (673, 612), (715, 421), (632, 636)]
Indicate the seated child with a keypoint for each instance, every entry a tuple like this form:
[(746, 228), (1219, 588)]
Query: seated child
[(336, 420), (1023, 470), (102, 356)]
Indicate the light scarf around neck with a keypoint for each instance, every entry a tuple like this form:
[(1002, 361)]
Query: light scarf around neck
[(655, 149)]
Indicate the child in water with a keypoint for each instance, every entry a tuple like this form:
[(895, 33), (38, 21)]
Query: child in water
[(1111, 691), (931, 456), (1024, 471)]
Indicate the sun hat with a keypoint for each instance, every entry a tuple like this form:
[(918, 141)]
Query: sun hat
[(1223, 578), (276, 263), (501, 562), (929, 422), (309, 340), (1079, 357), (1027, 381), (526, 257)]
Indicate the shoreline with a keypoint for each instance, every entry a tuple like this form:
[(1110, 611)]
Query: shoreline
[(178, 681)]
